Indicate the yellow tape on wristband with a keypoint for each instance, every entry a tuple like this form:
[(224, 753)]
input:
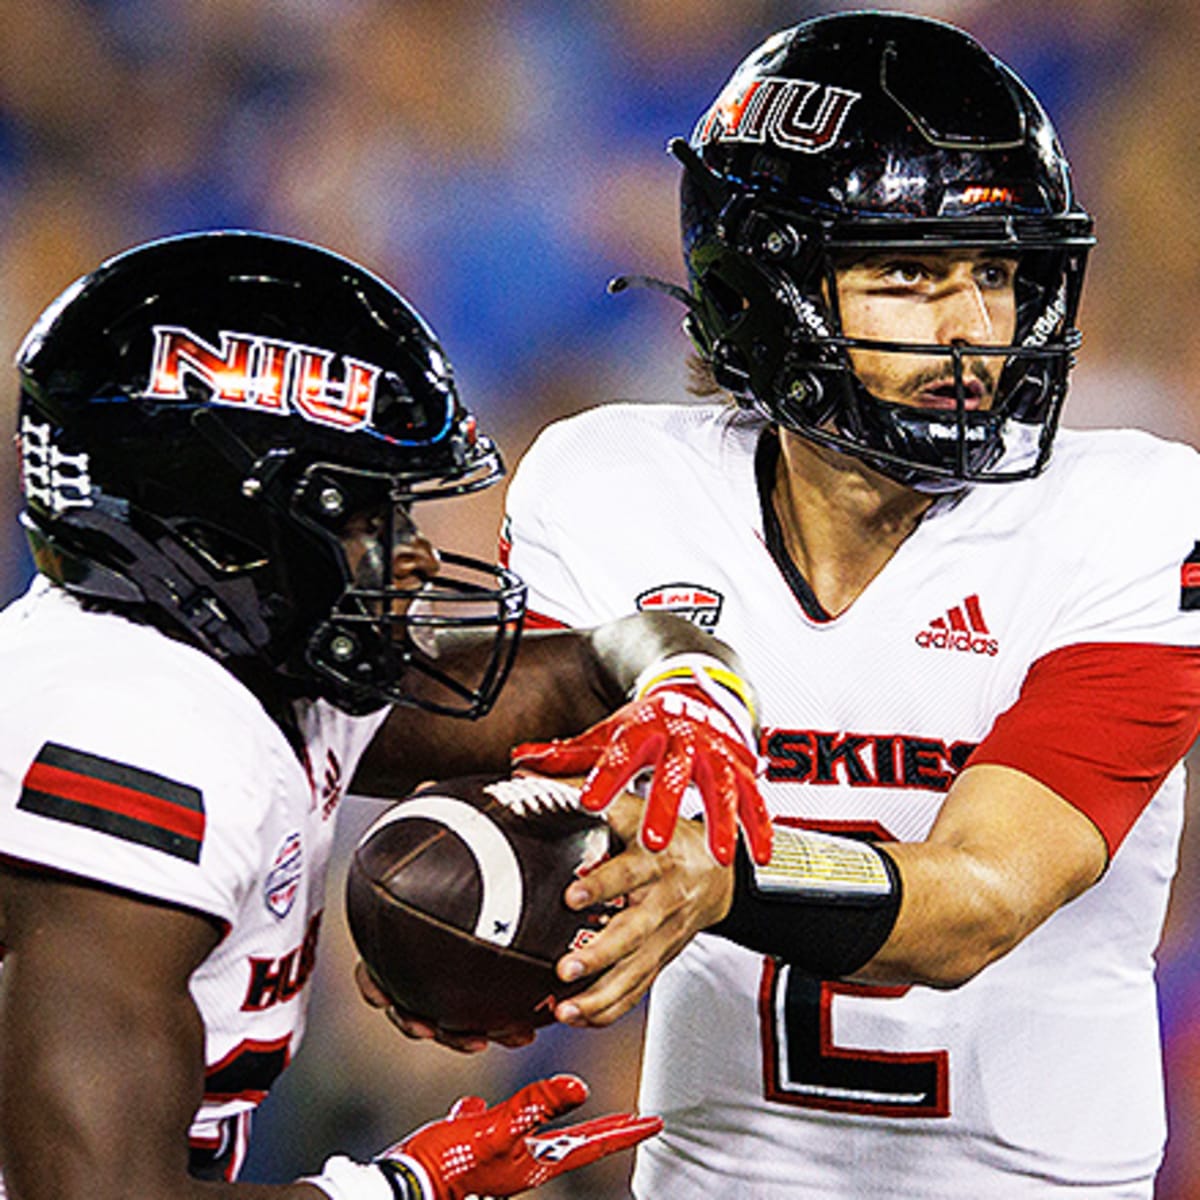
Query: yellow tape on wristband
[(682, 668), (804, 862)]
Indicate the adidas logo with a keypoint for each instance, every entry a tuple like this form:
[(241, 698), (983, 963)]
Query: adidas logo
[(962, 628)]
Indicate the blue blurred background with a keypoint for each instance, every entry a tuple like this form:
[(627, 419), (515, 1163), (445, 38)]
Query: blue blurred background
[(499, 162)]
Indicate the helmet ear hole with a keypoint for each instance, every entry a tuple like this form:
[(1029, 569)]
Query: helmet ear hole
[(222, 550)]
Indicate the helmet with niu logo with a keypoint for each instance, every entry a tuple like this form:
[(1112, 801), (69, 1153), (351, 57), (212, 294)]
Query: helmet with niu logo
[(874, 133), (203, 417)]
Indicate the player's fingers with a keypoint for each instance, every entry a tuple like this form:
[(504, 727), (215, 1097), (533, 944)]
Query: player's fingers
[(467, 1106), (611, 1135), (587, 1130), (592, 1140), (671, 777), (571, 756), (625, 955), (718, 790), (631, 749), (603, 1007), (753, 816), (624, 816), (626, 872), (370, 991), (412, 1027), (615, 992), (539, 1102), (514, 1038), (617, 940), (419, 1030)]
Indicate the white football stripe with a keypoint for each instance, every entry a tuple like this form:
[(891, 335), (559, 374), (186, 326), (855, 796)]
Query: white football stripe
[(499, 872)]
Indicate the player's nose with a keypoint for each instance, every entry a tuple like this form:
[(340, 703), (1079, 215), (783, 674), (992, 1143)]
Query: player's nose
[(415, 560), (962, 313)]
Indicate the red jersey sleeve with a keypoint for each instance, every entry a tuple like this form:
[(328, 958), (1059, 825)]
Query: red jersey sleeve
[(1102, 725)]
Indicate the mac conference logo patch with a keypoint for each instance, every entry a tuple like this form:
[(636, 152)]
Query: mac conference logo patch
[(283, 880), (699, 604)]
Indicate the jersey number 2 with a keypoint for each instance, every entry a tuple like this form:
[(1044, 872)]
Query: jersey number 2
[(803, 1066)]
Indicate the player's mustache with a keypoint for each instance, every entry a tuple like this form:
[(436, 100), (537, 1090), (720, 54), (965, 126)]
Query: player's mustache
[(979, 370)]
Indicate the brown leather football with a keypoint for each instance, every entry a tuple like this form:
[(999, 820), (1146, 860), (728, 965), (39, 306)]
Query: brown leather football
[(454, 899)]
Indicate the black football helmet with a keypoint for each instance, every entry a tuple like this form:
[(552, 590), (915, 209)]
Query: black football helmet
[(869, 132), (205, 417)]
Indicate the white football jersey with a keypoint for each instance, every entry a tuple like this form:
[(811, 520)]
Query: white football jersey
[(134, 760), (1031, 606)]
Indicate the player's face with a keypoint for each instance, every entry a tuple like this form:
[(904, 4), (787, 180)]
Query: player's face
[(405, 559), (943, 298)]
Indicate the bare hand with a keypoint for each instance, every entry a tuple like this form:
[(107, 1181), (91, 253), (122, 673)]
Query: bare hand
[(672, 893), (419, 1030)]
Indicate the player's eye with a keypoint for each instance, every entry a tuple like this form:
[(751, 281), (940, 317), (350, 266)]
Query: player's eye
[(365, 524), (996, 273), (904, 273)]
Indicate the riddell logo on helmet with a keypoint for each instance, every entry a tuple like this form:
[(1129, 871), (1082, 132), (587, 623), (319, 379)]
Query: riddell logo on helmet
[(266, 374), (962, 628), (794, 114)]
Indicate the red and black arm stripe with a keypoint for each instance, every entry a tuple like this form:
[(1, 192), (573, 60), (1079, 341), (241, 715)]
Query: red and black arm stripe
[(116, 799)]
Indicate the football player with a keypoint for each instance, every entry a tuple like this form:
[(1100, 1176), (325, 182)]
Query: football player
[(977, 663), (223, 439)]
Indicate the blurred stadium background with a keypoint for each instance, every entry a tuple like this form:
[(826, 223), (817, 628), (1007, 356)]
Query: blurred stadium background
[(499, 162)]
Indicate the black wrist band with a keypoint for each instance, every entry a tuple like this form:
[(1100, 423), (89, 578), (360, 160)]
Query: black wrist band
[(828, 934), (405, 1185)]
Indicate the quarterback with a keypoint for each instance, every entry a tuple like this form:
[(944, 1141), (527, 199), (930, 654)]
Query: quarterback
[(975, 646), (235, 621)]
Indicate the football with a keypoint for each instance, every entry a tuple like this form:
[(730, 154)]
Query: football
[(454, 899)]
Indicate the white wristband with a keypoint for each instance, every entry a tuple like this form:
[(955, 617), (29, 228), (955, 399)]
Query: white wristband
[(342, 1178), (721, 685)]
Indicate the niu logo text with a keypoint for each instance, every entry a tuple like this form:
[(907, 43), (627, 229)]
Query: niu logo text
[(795, 114), (266, 374)]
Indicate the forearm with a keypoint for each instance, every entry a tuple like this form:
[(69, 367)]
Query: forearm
[(103, 1077), (937, 917), (957, 914), (562, 681), (623, 649), (1003, 856)]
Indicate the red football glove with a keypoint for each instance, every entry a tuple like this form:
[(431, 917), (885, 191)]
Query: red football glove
[(691, 722), (493, 1151)]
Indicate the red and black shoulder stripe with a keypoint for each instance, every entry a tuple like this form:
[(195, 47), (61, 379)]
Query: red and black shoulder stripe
[(116, 799)]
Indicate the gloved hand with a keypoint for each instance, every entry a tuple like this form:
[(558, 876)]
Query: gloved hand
[(691, 721), (481, 1151)]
